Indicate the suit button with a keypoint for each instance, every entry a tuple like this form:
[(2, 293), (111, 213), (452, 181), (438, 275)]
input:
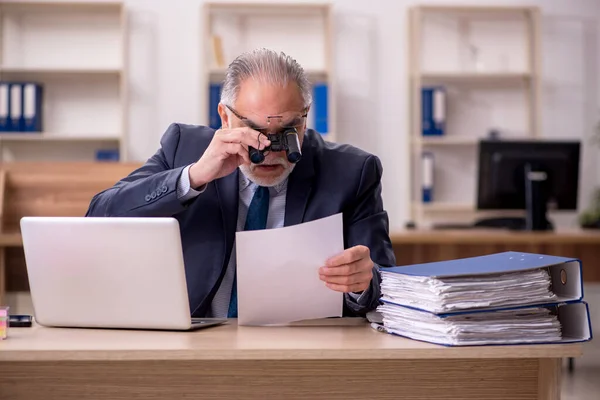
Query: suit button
[(148, 198), (164, 189), (153, 195)]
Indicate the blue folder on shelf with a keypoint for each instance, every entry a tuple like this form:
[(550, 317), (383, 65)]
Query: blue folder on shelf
[(464, 296), (320, 108), (107, 155), (21, 107), (427, 174), (32, 107), (4, 107), (214, 97), (16, 107), (433, 111)]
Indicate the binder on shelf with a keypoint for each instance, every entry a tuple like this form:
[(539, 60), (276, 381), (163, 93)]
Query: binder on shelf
[(427, 175), (433, 111), (107, 155), (16, 107), (504, 298), (4, 107), (319, 108), (214, 119), (32, 107)]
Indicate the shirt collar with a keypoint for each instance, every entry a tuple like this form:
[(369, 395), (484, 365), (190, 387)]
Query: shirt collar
[(245, 183)]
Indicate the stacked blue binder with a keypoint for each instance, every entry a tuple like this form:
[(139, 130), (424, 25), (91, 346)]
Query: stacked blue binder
[(20, 107), (504, 298)]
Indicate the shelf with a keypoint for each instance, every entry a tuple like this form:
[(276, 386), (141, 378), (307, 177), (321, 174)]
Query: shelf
[(60, 71), (457, 141), (44, 6), (267, 8), (444, 207), (33, 136), (78, 52), (476, 9), (488, 61), (445, 141), (475, 78)]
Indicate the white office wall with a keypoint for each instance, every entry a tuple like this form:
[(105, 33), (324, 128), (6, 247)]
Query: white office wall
[(372, 90)]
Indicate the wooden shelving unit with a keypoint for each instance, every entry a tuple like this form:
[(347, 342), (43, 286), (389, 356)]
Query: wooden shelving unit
[(476, 78), (240, 27), (6, 71), (447, 47), (52, 137), (434, 141), (77, 51)]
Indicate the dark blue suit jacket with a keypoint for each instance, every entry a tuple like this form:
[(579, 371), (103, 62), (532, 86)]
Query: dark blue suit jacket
[(330, 178)]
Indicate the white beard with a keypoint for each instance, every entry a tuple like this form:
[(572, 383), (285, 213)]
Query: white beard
[(248, 171)]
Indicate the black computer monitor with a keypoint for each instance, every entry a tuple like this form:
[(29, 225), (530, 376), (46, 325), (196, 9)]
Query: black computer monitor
[(528, 175)]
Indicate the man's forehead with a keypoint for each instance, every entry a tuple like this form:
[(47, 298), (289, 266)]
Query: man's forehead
[(264, 99)]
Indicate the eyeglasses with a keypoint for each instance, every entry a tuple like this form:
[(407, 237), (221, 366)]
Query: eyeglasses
[(286, 120)]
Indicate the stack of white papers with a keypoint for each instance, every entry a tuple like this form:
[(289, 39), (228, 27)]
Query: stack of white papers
[(440, 295), (528, 325), (503, 298)]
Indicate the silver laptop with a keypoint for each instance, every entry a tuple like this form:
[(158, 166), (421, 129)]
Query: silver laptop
[(108, 273)]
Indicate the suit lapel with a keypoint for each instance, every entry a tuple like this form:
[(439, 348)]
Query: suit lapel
[(228, 191), (300, 185), (209, 279)]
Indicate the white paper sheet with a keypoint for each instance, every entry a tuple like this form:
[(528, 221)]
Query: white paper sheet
[(529, 325), (440, 295), (278, 272)]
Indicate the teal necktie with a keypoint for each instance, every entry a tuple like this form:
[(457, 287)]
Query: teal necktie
[(256, 219)]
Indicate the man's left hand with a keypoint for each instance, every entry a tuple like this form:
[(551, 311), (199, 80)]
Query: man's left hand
[(350, 271)]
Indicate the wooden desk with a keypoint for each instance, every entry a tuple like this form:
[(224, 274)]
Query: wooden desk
[(418, 246), (327, 362)]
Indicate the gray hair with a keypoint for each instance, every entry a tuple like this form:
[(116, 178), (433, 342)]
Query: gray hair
[(269, 67)]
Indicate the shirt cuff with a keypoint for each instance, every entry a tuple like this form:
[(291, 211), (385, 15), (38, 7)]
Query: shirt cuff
[(357, 297), (361, 298), (185, 191)]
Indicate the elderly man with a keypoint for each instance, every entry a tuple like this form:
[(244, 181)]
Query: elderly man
[(207, 181)]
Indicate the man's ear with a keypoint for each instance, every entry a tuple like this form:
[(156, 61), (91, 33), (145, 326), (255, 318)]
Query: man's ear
[(306, 119), (223, 114)]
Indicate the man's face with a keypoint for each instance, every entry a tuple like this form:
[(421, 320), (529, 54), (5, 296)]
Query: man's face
[(256, 102)]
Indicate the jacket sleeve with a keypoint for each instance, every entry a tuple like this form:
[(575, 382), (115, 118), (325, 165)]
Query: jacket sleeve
[(150, 191), (368, 225)]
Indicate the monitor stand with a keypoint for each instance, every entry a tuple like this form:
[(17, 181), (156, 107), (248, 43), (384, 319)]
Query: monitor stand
[(536, 205), (536, 200)]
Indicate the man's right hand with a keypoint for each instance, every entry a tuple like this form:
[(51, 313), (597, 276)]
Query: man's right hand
[(227, 150)]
